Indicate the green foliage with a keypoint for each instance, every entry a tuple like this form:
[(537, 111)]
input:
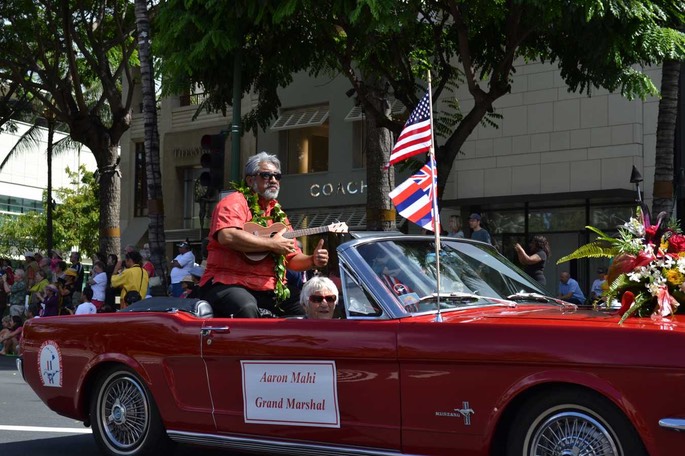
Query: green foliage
[(75, 220), (597, 249), (597, 43)]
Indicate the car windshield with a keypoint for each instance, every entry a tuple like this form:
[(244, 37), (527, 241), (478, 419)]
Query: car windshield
[(471, 274)]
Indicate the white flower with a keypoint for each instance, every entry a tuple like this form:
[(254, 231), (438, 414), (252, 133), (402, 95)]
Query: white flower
[(635, 227), (653, 288), (635, 276)]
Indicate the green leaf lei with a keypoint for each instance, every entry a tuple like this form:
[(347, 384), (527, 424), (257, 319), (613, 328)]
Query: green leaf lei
[(277, 215)]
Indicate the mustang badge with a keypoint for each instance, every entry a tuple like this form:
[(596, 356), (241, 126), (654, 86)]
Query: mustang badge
[(464, 412)]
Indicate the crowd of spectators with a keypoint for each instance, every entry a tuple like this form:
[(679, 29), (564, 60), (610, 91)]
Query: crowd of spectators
[(47, 286)]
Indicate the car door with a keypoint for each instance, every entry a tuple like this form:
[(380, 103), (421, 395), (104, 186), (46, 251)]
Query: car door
[(331, 381)]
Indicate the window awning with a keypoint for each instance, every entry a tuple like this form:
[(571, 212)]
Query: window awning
[(301, 118), (354, 217), (356, 113)]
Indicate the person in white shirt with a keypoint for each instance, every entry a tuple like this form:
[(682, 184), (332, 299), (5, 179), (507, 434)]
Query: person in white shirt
[(98, 282), (86, 307), (180, 267)]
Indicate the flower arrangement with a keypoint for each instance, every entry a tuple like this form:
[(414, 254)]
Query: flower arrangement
[(647, 274)]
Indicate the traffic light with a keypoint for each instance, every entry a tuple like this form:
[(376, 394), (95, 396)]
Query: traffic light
[(212, 160)]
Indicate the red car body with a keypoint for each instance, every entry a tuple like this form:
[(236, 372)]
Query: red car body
[(463, 382)]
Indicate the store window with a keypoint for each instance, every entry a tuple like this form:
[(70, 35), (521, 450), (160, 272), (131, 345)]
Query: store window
[(609, 217), (140, 182), (556, 219), (303, 142)]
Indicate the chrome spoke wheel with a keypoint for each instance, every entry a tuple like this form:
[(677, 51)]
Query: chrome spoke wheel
[(572, 433), (124, 413)]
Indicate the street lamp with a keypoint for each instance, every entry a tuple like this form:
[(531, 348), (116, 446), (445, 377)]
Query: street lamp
[(636, 178)]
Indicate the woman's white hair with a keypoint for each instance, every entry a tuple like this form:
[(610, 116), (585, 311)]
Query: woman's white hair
[(317, 283)]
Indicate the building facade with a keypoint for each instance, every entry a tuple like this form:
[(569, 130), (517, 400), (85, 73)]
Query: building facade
[(24, 177), (558, 161)]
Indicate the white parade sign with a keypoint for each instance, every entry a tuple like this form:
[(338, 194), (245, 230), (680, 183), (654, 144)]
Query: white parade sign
[(294, 393)]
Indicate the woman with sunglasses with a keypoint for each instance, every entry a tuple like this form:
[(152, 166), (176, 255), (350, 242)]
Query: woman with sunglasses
[(318, 297)]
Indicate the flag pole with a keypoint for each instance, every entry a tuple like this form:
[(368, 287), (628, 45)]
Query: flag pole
[(436, 214)]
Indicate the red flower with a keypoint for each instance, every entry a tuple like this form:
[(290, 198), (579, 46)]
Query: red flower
[(626, 263), (676, 243), (626, 301)]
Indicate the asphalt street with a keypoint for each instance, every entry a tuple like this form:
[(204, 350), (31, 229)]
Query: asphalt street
[(29, 428)]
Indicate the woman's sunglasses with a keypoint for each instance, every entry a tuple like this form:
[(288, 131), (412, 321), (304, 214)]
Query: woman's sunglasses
[(319, 299)]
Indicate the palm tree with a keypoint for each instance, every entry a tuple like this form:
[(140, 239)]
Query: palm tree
[(152, 166), (30, 141), (665, 138)]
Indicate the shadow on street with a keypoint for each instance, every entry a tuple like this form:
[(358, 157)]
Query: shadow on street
[(8, 363)]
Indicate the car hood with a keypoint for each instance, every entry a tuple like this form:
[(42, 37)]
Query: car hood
[(553, 315)]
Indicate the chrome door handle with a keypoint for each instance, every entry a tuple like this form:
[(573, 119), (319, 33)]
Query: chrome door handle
[(219, 329)]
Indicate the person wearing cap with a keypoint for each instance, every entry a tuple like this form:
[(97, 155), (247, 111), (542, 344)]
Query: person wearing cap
[(598, 286), (180, 267), (55, 258), (189, 284), (50, 301), (67, 289), (132, 278), (232, 283), (478, 233)]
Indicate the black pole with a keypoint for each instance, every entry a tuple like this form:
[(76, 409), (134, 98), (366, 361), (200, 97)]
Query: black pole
[(51, 134)]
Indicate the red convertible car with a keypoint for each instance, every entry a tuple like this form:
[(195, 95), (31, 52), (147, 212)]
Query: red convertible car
[(487, 366)]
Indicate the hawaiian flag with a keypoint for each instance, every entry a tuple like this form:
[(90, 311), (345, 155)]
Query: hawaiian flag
[(416, 137), (413, 198)]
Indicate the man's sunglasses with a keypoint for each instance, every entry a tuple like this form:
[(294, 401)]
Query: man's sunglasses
[(267, 176), (319, 299)]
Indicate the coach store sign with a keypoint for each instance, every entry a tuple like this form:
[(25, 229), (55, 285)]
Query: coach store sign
[(341, 188)]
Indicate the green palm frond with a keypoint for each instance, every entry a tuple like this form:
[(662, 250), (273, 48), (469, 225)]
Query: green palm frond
[(602, 235), (30, 140), (596, 249), (620, 283), (66, 144)]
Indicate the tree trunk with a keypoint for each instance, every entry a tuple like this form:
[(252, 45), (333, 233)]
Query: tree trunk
[(48, 207), (665, 139), (153, 173), (110, 201), (380, 213)]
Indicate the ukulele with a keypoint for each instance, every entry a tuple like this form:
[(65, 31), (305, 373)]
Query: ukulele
[(270, 231)]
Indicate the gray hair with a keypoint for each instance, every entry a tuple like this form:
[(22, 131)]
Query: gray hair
[(252, 163), (317, 283)]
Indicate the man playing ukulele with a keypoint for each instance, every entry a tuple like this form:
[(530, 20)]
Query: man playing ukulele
[(235, 285)]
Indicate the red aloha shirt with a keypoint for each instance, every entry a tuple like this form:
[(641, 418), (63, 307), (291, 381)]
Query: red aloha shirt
[(228, 266)]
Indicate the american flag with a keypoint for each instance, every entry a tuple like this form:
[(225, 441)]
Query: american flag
[(413, 198), (416, 136)]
